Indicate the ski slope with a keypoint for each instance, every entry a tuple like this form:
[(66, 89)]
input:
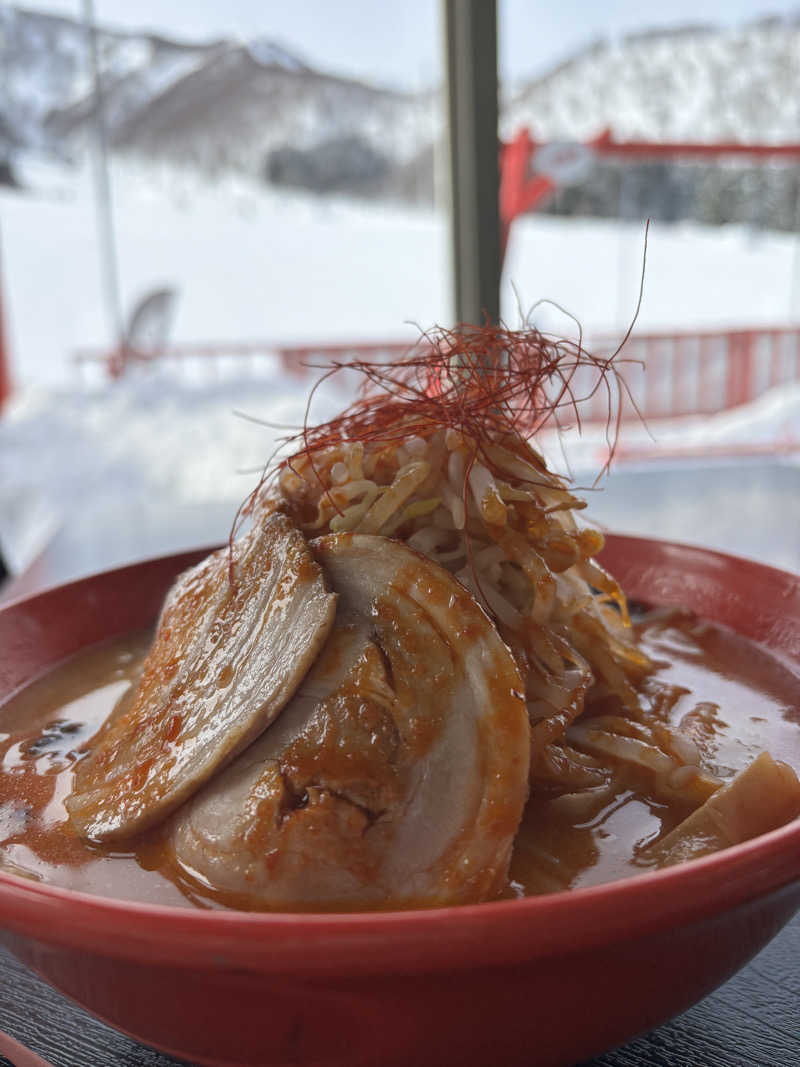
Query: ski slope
[(250, 263)]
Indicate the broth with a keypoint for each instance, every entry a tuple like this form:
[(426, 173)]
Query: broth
[(41, 731), (748, 702), (753, 702)]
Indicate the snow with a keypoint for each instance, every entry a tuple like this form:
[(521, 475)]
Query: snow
[(252, 263), (268, 54), (696, 276), (110, 468), (149, 73), (156, 461), (700, 84), (771, 424), (45, 69), (248, 263)]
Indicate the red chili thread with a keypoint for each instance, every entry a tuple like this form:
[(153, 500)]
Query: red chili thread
[(490, 383)]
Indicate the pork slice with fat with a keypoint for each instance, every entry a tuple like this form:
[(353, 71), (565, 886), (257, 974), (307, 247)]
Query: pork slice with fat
[(236, 637), (398, 773)]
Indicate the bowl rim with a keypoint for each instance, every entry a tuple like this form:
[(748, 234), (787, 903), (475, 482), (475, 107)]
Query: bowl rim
[(487, 934)]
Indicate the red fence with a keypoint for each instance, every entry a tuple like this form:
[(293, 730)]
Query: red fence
[(668, 374), (671, 375), (298, 360), (524, 187)]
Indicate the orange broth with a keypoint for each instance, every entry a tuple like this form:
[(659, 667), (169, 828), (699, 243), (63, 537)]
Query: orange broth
[(43, 727)]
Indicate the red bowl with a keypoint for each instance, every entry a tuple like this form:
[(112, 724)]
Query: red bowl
[(549, 979)]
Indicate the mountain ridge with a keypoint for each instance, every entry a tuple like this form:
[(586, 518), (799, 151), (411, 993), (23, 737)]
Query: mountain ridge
[(258, 107)]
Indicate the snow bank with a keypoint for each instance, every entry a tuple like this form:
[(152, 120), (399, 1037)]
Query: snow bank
[(770, 425), (102, 465)]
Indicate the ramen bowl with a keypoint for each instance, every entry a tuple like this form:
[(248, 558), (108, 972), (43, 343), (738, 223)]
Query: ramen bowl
[(550, 979)]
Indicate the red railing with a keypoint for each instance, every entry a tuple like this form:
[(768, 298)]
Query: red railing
[(298, 360), (523, 190), (668, 374), (675, 374)]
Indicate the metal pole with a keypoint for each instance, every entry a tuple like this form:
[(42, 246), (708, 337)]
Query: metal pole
[(471, 44), (794, 280), (624, 215), (103, 202), (5, 370)]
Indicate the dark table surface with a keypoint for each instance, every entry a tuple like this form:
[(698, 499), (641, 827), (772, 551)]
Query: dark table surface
[(751, 1021)]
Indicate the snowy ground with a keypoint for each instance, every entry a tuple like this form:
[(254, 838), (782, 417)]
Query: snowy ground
[(154, 463), (769, 425), (75, 463), (247, 264), (251, 263)]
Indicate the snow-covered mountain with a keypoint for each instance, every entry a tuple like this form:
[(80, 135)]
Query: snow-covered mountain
[(44, 70), (259, 109), (215, 106), (693, 83), (233, 105)]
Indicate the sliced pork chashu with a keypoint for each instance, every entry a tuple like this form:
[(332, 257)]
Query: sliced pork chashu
[(398, 773), (232, 646)]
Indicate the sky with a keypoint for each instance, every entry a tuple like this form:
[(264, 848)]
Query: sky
[(399, 44)]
